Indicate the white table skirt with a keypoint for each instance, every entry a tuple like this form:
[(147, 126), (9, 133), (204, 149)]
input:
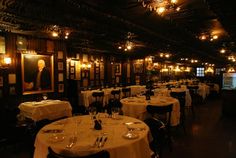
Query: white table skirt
[(136, 107), (116, 144), (166, 92), (46, 109)]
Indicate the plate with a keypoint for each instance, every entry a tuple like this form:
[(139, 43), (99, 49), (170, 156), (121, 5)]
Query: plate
[(56, 137), (131, 135)]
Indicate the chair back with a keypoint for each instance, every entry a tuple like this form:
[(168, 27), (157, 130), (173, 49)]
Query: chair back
[(126, 92), (161, 112), (180, 96), (98, 103), (115, 94), (100, 154), (98, 96)]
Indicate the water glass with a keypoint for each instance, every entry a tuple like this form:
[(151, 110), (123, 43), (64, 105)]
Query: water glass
[(92, 112), (115, 112)]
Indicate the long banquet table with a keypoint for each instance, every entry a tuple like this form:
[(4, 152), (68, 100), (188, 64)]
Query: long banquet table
[(136, 107), (82, 128), (45, 109)]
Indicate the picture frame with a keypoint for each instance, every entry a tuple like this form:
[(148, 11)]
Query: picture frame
[(2, 45), (72, 70), (118, 69), (12, 78), (60, 55), (37, 73), (60, 88), (60, 77), (60, 66), (1, 81)]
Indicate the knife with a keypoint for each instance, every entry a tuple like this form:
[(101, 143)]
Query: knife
[(104, 141)]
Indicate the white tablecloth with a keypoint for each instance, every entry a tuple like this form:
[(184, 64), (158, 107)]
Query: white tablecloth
[(116, 145), (166, 92), (46, 109), (87, 97), (136, 107)]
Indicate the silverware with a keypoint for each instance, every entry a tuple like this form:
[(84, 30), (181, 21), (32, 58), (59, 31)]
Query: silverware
[(104, 141), (72, 141), (96, 142), (100, 141), (130, 123)]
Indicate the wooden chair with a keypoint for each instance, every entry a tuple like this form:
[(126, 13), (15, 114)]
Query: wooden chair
[(114, 102), (100, 154), (98, 103), (181, 97), (162, 114), (115, 94), (126, 92)]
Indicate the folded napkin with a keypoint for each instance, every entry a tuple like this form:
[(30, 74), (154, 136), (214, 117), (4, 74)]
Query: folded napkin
[(137, 126), (53, 128)]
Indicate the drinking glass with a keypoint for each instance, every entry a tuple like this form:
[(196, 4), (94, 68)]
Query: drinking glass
[(45, 96), (92, 112), (115, 112)]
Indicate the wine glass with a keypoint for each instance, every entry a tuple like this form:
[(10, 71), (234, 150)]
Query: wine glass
[(130, 134), (92, 112), (115, 112), (45, 96)]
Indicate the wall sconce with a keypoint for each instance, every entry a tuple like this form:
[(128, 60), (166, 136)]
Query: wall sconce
[(5, 62), (86, 66)]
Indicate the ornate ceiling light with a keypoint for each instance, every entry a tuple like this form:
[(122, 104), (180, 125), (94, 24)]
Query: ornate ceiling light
[(162, 7)]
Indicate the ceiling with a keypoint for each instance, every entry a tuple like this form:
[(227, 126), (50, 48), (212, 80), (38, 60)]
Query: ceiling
[(100, 26)]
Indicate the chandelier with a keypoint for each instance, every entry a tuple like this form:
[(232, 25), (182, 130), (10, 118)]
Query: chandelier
[(162, 7)]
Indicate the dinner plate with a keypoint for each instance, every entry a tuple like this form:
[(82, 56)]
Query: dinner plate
[(131, 135), (56, 137)]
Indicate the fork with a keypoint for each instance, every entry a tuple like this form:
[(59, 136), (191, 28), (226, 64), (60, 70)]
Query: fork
[(72, 142)]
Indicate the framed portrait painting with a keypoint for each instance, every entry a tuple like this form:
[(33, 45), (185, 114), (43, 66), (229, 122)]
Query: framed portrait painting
[(37, 73)]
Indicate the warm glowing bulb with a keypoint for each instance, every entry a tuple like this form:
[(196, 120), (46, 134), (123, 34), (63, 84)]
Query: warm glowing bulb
[(178, 9), (203, 37), (89, 65), (83, 65), (222, 51), (167, 55), (66, 37), (161, 55), (161, 10), (129, 47), (174, 1), (20, 43), (7, 60), (215, 37), (119, 47), (54, 34), (125, 49)]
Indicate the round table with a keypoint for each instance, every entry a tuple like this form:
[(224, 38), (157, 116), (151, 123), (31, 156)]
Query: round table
[(136, 107), (82, 128)]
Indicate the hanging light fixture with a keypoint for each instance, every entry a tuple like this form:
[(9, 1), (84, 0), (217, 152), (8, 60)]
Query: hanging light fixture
[(162, 7)]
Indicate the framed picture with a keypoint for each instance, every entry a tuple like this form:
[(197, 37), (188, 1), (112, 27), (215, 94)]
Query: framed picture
[(60, 66), (60, 55), (118, 69), (1, 81), (60, 88), (60, 77), (138, 68), (11, 78), (72, 70), (37, 73), (12, 90), (2, 45)]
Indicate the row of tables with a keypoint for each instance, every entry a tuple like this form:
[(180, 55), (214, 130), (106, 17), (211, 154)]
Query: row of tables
[(81, 127)]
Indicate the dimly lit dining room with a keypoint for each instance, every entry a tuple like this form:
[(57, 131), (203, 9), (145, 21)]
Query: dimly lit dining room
[(117, 79)]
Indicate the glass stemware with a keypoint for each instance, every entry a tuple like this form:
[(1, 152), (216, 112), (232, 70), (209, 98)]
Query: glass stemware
[(45, 96), (115, 112), (92, 112)]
